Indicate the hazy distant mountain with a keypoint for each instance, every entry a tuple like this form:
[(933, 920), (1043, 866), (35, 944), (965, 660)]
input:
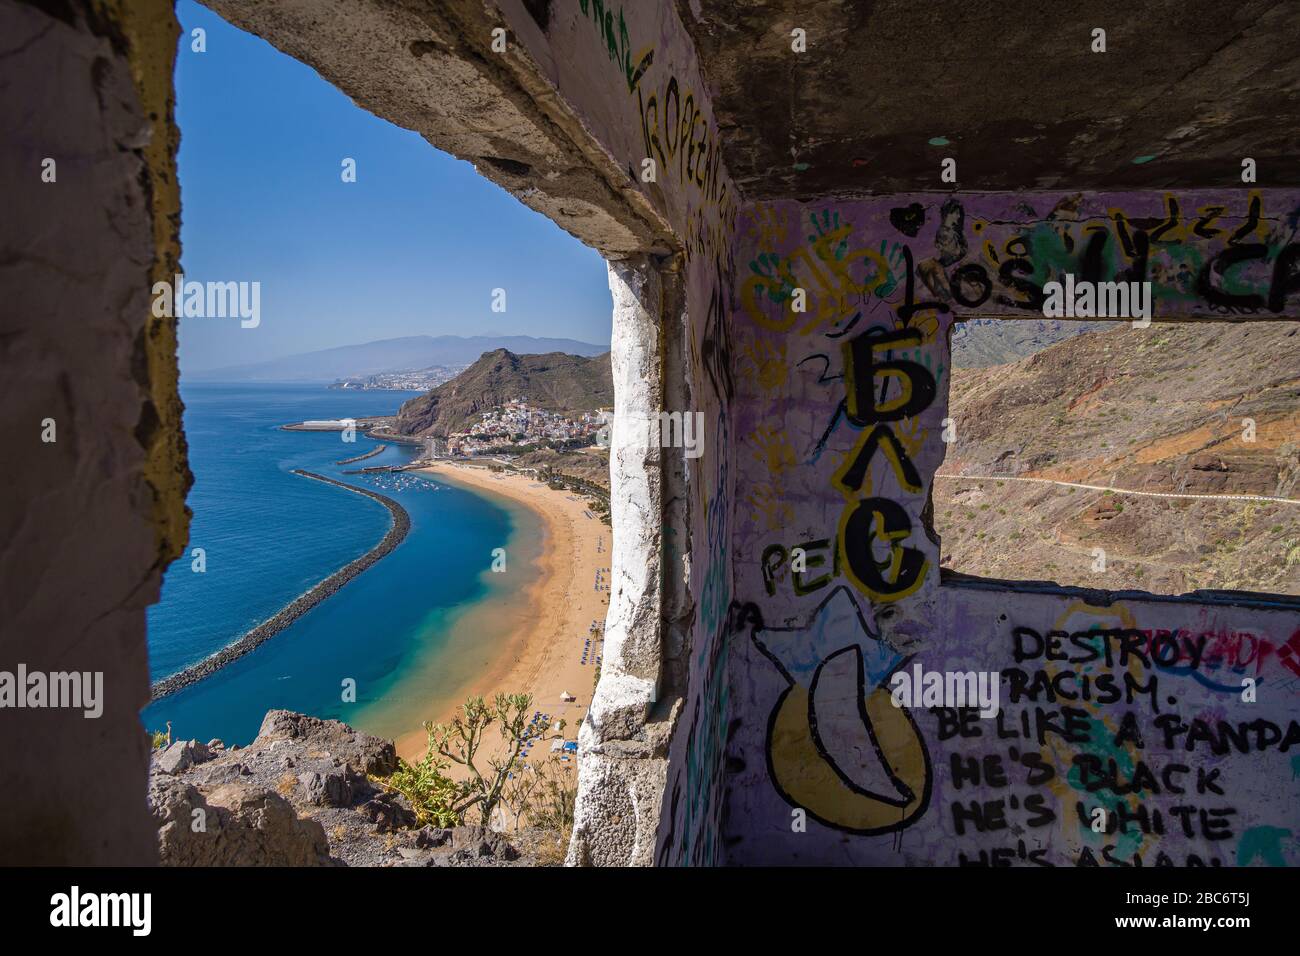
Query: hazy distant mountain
[(388, 355), (554, 382), (978, 343)]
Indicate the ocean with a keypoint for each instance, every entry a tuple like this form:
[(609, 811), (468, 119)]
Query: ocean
[(402, 630)]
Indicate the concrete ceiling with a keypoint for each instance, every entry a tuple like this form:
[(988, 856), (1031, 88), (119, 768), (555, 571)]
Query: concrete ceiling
[(1013, 87)]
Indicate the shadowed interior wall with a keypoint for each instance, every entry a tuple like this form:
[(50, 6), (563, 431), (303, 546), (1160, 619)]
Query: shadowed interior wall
[(91, 518), (1122, 703)]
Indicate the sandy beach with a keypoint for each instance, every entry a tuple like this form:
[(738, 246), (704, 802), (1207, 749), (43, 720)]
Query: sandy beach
[(544, 656)]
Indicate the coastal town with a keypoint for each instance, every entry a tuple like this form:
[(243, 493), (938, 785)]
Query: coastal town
[(517, 424), (405, 380), (554, 447)]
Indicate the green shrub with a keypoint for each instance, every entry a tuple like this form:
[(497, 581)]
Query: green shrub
[(432, 793)]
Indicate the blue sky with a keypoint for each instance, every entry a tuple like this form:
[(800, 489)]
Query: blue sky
[(415, 246)]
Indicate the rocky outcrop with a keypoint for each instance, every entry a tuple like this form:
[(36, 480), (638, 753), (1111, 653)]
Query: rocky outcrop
[(181, 755), (234, 824), (302, 793), (321, 738)]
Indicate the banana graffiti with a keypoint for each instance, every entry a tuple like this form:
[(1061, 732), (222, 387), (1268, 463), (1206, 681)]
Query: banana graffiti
[(837, 747)]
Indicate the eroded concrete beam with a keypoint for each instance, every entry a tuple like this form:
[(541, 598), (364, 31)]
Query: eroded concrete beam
[(624, 752)]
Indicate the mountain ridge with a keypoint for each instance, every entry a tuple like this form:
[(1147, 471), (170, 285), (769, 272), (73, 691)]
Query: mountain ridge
[(553, 381), (404, 353), (979, 343)]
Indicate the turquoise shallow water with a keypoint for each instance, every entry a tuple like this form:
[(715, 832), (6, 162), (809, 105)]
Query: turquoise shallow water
[(269, 535)]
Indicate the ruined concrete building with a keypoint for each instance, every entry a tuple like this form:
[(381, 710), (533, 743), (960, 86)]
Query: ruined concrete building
[(797, 201)]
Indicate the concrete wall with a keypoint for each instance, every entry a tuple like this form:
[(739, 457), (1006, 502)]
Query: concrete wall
[(1231, 254), (90, 519), (837, 427)]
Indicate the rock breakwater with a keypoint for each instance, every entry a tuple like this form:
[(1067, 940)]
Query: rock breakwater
[(304, 602)]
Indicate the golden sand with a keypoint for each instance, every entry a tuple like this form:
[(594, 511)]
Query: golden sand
[(543, 654)]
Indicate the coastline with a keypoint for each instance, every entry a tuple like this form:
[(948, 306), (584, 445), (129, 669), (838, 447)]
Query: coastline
[(397, 530), (543, 653)]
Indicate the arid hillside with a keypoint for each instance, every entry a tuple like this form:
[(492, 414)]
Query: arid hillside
[(555, 381), (590, 464), (1184, 409)]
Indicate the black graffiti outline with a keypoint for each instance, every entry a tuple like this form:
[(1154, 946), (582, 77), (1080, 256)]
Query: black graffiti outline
[(751, 615), (822, 378)]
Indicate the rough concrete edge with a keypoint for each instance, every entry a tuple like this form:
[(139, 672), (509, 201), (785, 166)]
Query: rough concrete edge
[(626, 784), (151, 30), (618, 734), (539, 94)]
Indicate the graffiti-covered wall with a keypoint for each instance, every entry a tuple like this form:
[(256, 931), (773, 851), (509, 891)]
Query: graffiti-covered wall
[(1205, 253), (879, 714)]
